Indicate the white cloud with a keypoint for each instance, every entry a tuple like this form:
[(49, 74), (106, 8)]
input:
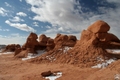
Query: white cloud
[(16, 19), (20, 0), (17, 39), (4, 29), (35, 24), (21, 14), (7, 4), (3, 12), (64, 18), (23, 27)]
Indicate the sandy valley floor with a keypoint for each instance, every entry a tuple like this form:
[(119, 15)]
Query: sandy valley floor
[(14, 69)]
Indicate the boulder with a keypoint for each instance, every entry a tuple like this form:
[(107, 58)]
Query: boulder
[(99, 27), (47, 73)]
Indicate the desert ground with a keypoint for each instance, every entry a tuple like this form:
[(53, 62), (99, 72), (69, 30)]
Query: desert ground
[(16, 69)]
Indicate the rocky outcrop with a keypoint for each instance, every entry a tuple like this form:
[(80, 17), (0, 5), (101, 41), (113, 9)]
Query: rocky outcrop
[(99, 27), (28, 47), (11, 47), (50, 44), (87, 51), (65, 40), (43, 40)]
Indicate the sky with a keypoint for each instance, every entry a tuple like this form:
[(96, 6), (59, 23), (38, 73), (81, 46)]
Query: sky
[(18, 18)]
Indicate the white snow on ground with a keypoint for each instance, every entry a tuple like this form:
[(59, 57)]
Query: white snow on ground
[(52, 77), (51, 58), (6, 53), (117, 77), (66, 49), (104, 64), (31, 55), (117, 51)]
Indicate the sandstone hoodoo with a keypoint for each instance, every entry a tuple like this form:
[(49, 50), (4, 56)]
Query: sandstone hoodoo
[(28, 47), (99, 27), (32, 45), (43, 41), (86, 52)]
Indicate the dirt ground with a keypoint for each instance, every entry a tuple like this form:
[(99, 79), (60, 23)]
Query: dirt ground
[(16, 69)]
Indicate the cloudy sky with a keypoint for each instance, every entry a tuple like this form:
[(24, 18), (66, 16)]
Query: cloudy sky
[(20, 17)]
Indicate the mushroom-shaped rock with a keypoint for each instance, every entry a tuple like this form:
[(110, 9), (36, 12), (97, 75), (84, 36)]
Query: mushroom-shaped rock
[(99, 26), (43, 40), (29, 46), (32, 39)]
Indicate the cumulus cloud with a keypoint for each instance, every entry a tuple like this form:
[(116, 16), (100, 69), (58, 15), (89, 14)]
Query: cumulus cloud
[(23, 27), (64, 17), (3, 12), (16, 19), (35, 24), (21, 14), (7, 4)]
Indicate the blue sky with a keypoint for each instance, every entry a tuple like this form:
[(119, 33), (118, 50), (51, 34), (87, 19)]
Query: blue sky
[(20, 17)]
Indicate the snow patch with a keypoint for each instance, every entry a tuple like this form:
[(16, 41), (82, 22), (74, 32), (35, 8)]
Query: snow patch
[(117, 77), (31, 55), (6, 53), (66, 49), (51, 58), (54, 77), (104, 64), (117, 51)]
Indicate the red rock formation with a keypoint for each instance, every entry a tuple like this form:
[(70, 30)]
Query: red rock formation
[(11, 47), (107, 37), (91, 47), (99, 26), (50, 44), (43, 40), (65, 40), (29, 46)]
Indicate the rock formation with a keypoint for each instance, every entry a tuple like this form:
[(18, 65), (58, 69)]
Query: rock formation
[(50, 44), (11, 47), (87, 51), (28, 47), (99, 27), (65, 40)]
